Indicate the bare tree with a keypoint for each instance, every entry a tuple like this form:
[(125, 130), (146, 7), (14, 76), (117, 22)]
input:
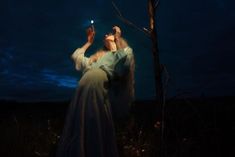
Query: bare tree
[(152, 34)]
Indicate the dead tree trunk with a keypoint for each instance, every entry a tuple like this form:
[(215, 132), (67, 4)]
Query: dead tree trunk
[(157, 69), (155, 53)]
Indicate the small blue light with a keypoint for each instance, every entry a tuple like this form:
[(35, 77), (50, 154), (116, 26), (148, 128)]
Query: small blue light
[(92, 21)]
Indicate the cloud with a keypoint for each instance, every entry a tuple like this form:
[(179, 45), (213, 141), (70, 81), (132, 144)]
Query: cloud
[(52, 77)]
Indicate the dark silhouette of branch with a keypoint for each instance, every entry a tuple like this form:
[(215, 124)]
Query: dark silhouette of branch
[(156, 4), (119, 14), (116, 8)]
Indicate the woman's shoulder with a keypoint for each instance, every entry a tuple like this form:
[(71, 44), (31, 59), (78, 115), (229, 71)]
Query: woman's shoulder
[(128, 50), (124, 51)]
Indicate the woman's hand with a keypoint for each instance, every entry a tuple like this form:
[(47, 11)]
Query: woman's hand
[(90, 34), (90, 38), (117, 32)]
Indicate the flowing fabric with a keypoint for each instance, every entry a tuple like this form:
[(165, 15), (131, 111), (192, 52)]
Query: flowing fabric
[(89, 129)]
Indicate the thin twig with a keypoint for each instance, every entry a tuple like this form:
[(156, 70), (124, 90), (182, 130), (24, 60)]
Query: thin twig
[(145, 31), (156, 4), (116, 8)]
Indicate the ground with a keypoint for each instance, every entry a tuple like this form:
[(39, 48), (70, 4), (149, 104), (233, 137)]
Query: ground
[(192, 128)]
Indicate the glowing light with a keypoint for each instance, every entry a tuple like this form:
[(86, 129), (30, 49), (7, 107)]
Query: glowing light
[(92, 21)]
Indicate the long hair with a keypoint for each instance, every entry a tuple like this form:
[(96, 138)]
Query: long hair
[(129, 79), (122, 90)]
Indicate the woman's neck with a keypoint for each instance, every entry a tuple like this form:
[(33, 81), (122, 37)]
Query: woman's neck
[(113, 49)]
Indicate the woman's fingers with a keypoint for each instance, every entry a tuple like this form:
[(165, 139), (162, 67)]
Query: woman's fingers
[(117, 32), (90, 34), (90, 31), (116, 29)]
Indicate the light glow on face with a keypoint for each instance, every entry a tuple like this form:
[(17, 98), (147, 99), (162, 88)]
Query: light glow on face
[(109, 42), (109, 37)]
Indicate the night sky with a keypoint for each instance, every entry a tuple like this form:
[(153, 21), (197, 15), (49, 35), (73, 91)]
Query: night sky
[(37, 38)]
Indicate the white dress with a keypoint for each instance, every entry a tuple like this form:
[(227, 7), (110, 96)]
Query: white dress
[(89, 129)]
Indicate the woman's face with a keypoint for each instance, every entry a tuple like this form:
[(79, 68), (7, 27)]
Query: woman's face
[(109, 42)]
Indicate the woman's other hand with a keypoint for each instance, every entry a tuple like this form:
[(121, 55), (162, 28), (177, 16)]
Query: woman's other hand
[(117, 32)]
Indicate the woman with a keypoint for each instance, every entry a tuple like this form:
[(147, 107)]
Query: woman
[(107, 79)]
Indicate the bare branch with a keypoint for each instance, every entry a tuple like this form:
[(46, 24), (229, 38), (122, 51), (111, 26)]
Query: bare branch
[(145, 31), (116, 8), (156, 4)]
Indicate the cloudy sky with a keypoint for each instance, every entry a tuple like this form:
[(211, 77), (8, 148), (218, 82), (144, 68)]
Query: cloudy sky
[(196, 43)]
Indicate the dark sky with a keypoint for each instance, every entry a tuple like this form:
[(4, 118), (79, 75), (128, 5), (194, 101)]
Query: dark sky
[(196, 43)]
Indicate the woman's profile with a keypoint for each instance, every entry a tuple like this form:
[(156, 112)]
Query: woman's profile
[(105, 88)]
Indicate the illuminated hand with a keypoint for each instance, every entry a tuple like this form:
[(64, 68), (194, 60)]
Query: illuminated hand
[(117, 32), (90, 34)]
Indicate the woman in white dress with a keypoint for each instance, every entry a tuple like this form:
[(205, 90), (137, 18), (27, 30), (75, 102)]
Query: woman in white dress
[(106, 87)]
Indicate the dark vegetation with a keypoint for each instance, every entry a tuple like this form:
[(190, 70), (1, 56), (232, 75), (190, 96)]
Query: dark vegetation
[(193, 128)]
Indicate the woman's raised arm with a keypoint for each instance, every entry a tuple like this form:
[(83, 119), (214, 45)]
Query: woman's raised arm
[(81, 62)]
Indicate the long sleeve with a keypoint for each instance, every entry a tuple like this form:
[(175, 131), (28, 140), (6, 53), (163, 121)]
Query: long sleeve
[(81, 62)]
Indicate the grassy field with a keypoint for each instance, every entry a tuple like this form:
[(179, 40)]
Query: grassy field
[(192, 128)]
